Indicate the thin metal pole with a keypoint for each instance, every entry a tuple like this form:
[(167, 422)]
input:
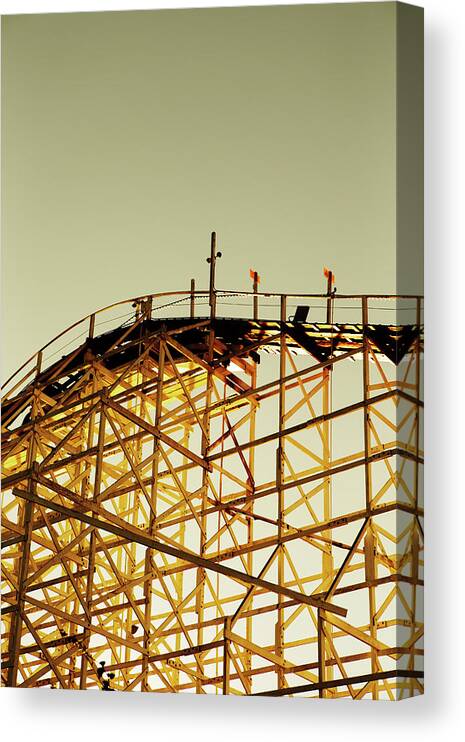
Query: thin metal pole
[(255, 282), (91, 325), (192, 297), (329, 303), (212, 261)]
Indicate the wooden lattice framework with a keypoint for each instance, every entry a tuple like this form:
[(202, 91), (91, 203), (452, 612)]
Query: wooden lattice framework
[(218, 506)]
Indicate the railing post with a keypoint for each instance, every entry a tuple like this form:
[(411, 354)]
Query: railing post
[(329, 302), (192, 297), (212, 260), (255, 281)]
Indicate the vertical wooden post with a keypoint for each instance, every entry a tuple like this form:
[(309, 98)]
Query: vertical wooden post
[(279, 639), (92, 546), (17, 618), (250, 523), (148, 307), (417, 397), (16, 626), (205, 447), (366, 396), (255, 282), (370, 577), (327, 556), (414, 574), (154, 501), (226, 659), (321, 651), (85, 490), (415, 538), (367, 467)]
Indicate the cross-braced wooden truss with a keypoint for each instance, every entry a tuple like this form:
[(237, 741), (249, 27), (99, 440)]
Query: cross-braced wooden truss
[(218, 505)]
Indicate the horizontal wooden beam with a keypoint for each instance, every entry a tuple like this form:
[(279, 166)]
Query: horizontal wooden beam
[(353, 680), (317, 421)]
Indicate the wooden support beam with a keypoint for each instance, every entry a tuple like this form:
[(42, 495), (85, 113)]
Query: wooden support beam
[(133, 535)]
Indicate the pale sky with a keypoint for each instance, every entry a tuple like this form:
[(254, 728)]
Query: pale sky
[(129, 136)]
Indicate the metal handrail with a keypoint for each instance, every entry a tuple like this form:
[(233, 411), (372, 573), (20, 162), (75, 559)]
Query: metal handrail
[(191, 294)]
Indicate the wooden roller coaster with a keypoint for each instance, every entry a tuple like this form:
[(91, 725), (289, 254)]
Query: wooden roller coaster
[(218, 504)]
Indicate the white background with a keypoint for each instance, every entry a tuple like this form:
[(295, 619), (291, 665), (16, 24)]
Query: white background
[(37, 715)]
